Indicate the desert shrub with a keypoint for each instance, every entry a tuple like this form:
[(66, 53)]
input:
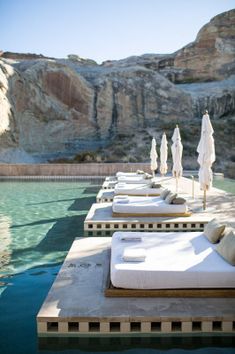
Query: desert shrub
[(120, 151), (60, 160), (86, 156), (133, 159)]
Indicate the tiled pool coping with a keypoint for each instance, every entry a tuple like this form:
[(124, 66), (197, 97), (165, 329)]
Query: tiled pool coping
[(100, 218)]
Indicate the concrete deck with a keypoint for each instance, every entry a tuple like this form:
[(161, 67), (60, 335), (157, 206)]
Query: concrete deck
[(185, 185), (219, 204), (76, 304), (108, 184), (105, 195), (100, 218)]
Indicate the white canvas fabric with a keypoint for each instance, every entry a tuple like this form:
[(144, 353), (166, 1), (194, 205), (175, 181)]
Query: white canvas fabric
[(153, 156), (177, 151), (173, 260), (206, 151), (163, 155), (146, 205)]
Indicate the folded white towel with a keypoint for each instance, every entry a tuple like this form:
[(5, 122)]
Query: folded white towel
[(131, 238), (134, 254)]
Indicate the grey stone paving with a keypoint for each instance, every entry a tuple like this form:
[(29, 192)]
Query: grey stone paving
[(76, 303)]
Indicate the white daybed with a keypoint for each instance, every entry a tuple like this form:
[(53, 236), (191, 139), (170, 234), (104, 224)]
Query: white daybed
[(139, 189), (129, 174), (135, 179), (124, 174), (146, 206), (111, 179), (182, 260)]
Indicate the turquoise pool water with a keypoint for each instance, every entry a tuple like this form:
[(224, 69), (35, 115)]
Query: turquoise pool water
[(226, 184), (38, 223)]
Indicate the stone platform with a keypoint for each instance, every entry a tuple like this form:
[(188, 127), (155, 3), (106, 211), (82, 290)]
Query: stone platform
[(76, 304), (100, 218), (105, 195)]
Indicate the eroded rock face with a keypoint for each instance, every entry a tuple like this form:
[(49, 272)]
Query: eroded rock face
[(218, 97), (212, 55), (22, 56), (55, 108), (8, 126), (52, 108), (136, 98)]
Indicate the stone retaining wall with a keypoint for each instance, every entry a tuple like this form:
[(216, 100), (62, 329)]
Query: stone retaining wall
[(86, 169)]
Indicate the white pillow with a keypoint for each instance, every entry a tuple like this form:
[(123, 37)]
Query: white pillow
[(226, 247), (214, 230), (164, 193), (170, 197), (134, 254)]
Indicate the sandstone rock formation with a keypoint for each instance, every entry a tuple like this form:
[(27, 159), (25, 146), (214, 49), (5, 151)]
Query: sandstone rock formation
[(210, 57), (54, 109), (58, 108)]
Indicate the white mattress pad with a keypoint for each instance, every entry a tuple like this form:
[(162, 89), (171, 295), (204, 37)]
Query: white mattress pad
[(128, 174), (145, 205), (136, 189), (174, 260), (134, 179)]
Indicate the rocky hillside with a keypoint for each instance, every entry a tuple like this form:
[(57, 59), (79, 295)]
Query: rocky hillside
[(76, 110)]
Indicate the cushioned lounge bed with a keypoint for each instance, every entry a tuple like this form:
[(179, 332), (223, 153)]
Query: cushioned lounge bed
[(146, 206), (136, 190), (128, 174), (134, 179), (174, 260)]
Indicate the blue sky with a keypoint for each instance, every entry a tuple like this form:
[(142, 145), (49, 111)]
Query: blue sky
[(103, 29)]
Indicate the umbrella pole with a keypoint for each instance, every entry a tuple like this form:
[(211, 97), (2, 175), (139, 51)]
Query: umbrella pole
[(176, 180), (192, 187), (204, 199)]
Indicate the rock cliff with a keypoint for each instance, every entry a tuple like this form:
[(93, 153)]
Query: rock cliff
[(210, 57), (60, 108)]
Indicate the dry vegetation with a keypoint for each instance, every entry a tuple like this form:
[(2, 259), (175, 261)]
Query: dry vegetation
[(135, 146)]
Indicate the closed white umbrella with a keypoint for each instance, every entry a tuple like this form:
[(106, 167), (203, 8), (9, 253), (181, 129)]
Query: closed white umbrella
[(206, 157), (163, 155), (177, 151), (153, 157)]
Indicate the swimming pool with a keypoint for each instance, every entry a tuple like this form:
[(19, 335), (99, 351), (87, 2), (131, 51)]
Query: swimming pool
[(38, 223), (227, 184)]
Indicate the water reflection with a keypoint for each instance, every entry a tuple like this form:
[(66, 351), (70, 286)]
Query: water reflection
[(5, 250), (42, 221), (140, 344), (5, 237)]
